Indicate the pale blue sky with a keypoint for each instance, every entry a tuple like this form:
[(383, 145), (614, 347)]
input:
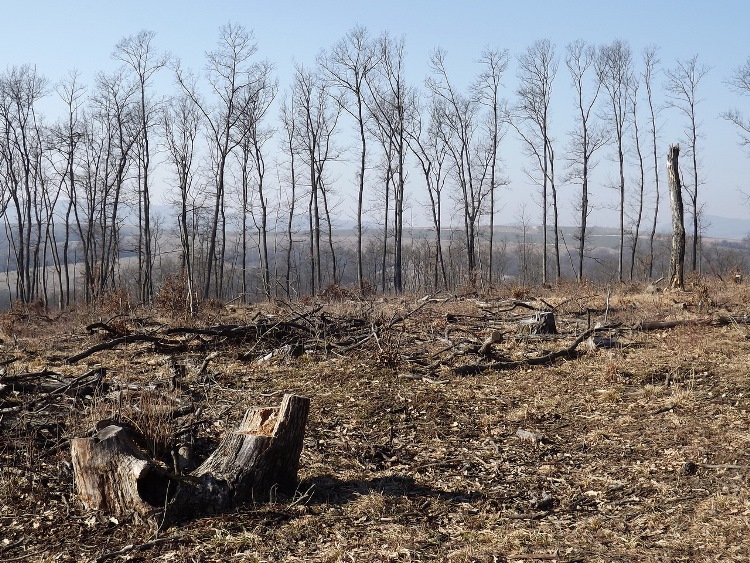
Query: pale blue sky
[(60, 35)]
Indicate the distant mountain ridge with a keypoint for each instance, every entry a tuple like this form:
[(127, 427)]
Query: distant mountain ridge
[(726, 227)]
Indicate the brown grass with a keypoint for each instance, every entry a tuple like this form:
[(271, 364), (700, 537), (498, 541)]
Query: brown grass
[(404, 465)]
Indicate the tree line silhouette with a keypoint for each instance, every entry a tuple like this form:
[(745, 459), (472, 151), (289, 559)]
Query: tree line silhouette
[(252, 172)]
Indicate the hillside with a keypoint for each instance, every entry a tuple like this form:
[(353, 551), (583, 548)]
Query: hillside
[(630, 445)]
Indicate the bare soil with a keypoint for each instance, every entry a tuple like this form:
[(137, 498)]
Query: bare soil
[(633, 447)]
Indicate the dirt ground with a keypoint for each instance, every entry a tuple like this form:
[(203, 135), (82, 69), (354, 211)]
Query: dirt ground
[(634, 446)]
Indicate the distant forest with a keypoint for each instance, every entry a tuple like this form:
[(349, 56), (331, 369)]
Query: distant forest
[(250, 172)]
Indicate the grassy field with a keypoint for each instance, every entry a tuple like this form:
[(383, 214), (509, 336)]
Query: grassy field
[(634, 446)]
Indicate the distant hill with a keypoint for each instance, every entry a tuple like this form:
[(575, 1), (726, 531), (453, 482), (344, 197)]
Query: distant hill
[(726, 228)]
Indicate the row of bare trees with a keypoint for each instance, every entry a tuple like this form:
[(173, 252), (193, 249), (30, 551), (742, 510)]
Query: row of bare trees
[(254, 173)]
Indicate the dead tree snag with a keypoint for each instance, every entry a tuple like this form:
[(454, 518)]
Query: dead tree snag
[(258, 458), (677, 257)]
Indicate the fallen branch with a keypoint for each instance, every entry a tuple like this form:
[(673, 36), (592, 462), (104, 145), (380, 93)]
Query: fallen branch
[(130, 547), (204, 366), (96, 375), (513, 305), (539, 360), (537, 556), (87, 381), (723, 466), (709, 321), (91, 328), (115, 342)]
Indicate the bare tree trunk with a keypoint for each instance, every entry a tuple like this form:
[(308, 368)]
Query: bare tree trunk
[(398, 218), (329, 226), (677, 257), (383, 277), (290, 127), (312, 244), (641, 178), (555, 213), (650, 61)]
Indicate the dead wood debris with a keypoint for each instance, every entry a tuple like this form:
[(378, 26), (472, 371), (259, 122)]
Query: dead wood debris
[(399, 443)]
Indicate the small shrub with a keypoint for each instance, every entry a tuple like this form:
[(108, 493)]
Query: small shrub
[(173, 295)]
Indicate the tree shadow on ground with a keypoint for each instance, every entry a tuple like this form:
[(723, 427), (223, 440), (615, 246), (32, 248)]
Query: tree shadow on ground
[(327, 489)]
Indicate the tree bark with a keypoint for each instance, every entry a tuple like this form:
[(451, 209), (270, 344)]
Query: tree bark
[(677, 257), (251, 463)]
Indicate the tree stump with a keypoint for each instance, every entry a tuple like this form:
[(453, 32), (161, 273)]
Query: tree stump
[(495, 337), (541, 323), (251, 463)]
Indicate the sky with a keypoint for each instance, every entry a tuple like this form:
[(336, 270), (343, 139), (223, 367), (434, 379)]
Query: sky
[(59, 36)]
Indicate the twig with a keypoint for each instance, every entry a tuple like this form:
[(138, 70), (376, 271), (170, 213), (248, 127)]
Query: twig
[(204, 365), (131, 547), (723, 466), (24, 556), (606, 310), (527, 516), (240, 296)]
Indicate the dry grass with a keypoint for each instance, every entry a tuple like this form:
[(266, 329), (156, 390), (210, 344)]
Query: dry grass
[(404, 465)]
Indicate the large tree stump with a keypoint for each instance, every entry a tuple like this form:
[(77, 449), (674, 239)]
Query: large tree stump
[(251, 463)]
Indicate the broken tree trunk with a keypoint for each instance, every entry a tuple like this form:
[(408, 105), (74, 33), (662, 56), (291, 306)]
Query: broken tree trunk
[(251, 463), (677, 257)]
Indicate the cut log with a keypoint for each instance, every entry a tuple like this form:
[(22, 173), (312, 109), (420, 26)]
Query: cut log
[(251, 463)]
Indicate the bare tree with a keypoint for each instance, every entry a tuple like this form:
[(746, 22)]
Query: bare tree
[(615, 72), (347, 68), (460, 118), (255, 104), (317, 115), (682, 86), (288, 114), (21, 89), (650, 62), (588, 135), (138, 54), (228, 72), (429, 147), (641, 178), (181, 121), (739, 82), (110, 130), (386, 167), (487, 91), (389, 104), (537, 68), (65, 136)]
